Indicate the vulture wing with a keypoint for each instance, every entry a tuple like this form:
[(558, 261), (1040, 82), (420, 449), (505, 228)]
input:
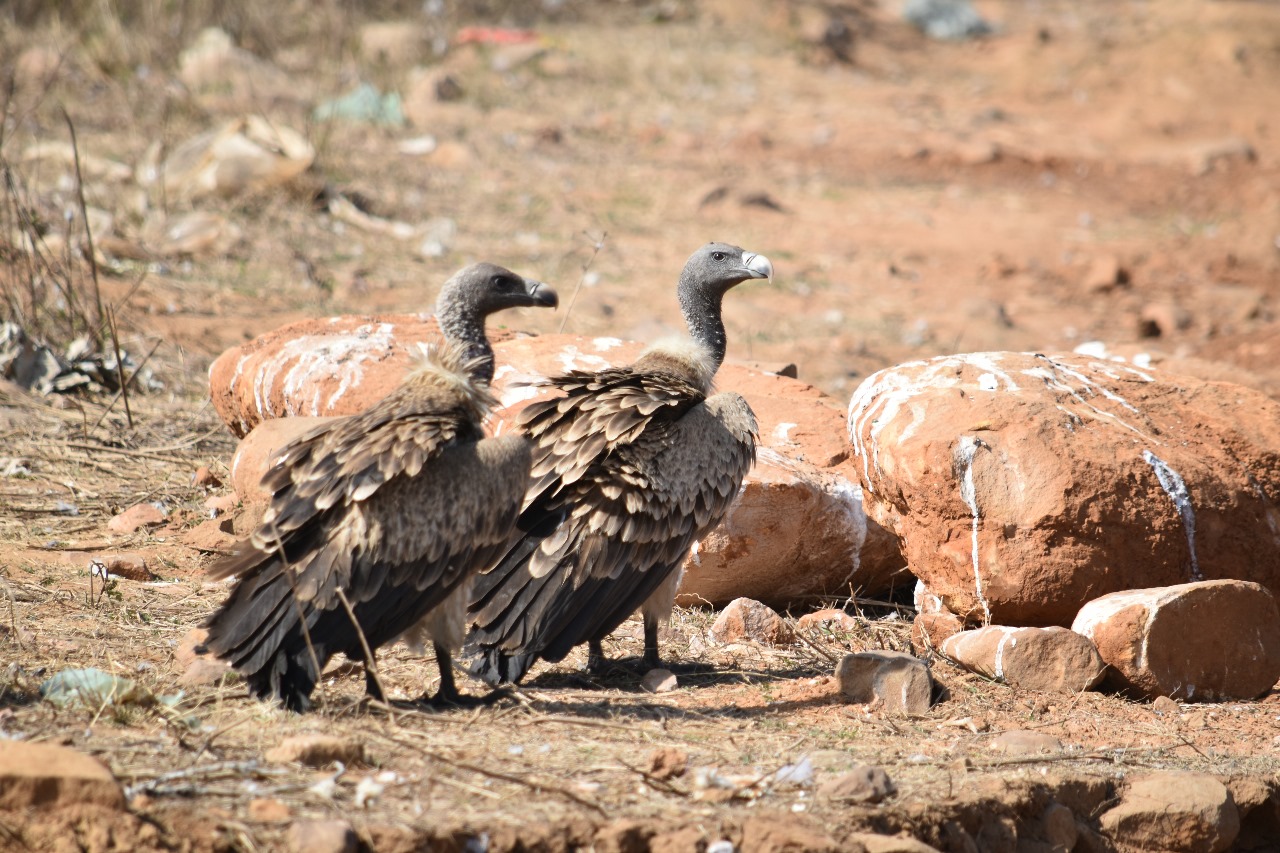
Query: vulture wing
[(630, 468), (394, 507)]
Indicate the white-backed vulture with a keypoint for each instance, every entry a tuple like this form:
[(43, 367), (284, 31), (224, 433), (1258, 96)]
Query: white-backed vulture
[(393, 509), (631, 466)]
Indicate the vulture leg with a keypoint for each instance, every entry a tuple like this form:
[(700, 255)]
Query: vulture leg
[(597, 663), (448, 696), (371, 687), (651, 659)]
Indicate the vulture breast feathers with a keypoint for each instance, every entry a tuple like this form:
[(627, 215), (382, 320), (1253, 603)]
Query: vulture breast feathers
[(394, 508), (630, 467)]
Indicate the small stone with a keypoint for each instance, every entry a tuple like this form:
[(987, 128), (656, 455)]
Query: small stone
[(1057, 827), (321, 836), (1164, 706), (829, 619), (668, 763), (1209, 641), (887, 843), (191, 647), (1162, 318), (135, 518), (862, 784), (1174, 811), (316, 751), (899, 680), (659, 680), (221, 504), (204, 478), (129, 566), (748, 619), (1024, 742), (1049, 659), (203, 672), (1105, 273), (43, 774), (930, 630), (268, 810)]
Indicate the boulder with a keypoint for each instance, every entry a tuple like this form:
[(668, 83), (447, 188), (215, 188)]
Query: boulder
[(897, 680), (1053, 659), (1023, 485), (1174, 812), (316, 751), (1024, 742), (863, 784), (747, 619), (42, 774), (1211, 641), (797, 529)]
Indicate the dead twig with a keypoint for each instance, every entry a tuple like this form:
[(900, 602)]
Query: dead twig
[(596, 247)]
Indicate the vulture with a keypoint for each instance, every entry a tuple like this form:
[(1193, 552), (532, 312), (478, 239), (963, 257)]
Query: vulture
[(380, 519), (631, 466)]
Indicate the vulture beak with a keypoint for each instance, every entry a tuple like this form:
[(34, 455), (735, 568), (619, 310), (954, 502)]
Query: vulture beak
[(541, 294), (757, 265)]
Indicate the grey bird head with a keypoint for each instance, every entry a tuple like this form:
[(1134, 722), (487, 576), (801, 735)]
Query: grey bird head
[(707, 276), (475, 292)]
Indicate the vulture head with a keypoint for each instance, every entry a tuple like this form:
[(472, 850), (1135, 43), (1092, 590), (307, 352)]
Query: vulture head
[(475, 292), (707, 276)]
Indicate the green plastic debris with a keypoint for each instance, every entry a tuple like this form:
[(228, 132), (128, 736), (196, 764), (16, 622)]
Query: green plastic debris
[(364, 104), (94, 688)]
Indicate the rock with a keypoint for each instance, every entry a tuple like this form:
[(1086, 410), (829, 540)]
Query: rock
[(205, 671), (1104, 273), (191, 647), (887, 843), (244, 155), (214, 535), (1162, 318), (1165, 706), (747, 619), (898, 680), (228, 77), (1053, 659), (863, 784), (1056, 828), (668, 763), (762, 834), (947, 20), (1024, 742), (827, 619), (336, 366), (392, 43), (135, 518), (800, 507), (659, 680), (221, 504), (268, 810), (129, 566), (1174, 812), (930, 630), (1211, 641), (1022, 486), (205, 479), (36, 775), (255, 453), (321, 836), (316, 751), (195, 234)]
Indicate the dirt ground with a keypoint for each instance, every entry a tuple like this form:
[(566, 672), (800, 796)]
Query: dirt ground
[(1092, 172)]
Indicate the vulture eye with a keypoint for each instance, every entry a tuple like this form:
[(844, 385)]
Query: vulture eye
[(499, 282), (719, 256)]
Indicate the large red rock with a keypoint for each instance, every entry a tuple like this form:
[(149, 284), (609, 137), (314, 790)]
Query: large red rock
[(1173, 811), (797, 529), (1052, 659), (43, 774), (1211, 641), (1023, 485), (333, 366)]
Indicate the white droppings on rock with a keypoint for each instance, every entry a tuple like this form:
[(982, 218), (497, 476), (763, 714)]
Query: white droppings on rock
[(1176, 488), (782, 431), (965, 453), (605, 344), (988, 382)]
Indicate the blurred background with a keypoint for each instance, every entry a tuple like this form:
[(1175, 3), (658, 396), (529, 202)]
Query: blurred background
[(927, 176)]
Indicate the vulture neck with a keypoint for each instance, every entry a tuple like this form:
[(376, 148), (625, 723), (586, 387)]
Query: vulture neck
[(701, 308), (467, 330)]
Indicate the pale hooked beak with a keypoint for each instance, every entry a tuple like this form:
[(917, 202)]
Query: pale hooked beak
[(758, 265), (541, 294)]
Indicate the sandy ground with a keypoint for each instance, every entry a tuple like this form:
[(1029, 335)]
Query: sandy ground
[(1094, 172)]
